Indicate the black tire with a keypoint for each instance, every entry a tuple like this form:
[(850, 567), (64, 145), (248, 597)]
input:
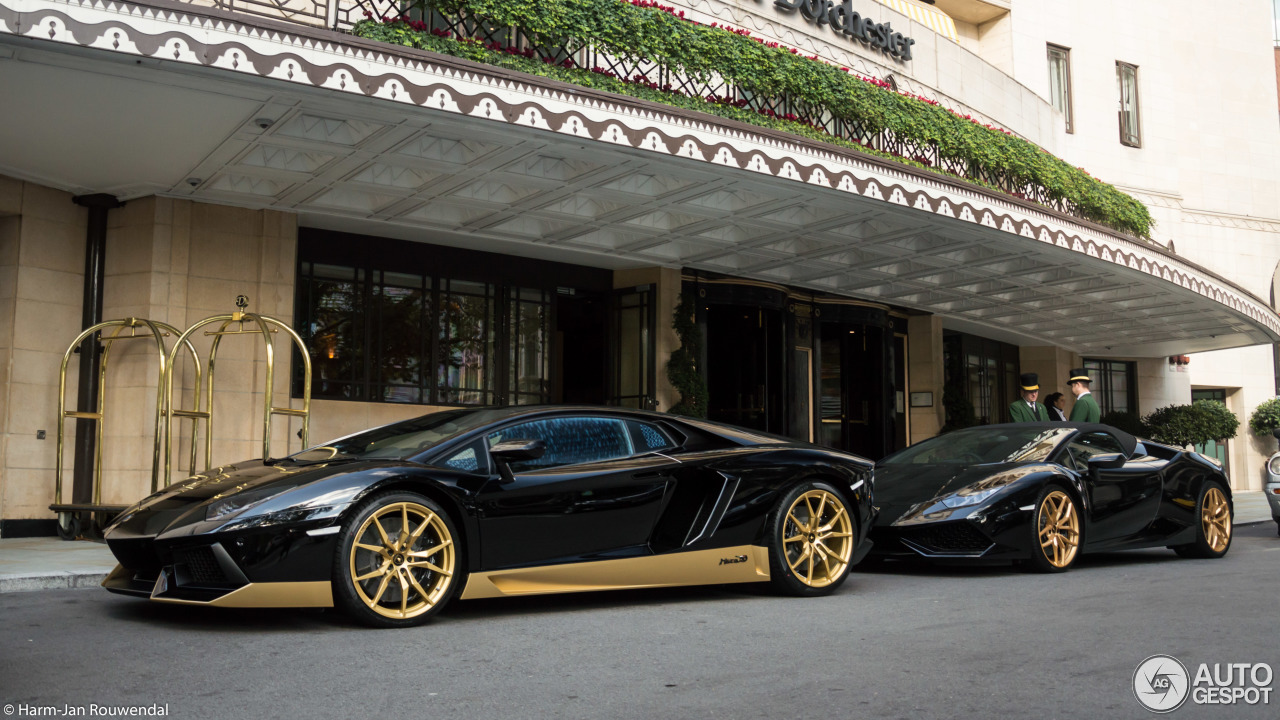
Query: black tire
[(1278, 527), (1056, 531), (1213, 524), (808, 558), (376, 578)]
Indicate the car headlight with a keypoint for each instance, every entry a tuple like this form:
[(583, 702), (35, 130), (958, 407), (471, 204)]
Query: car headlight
[(283, 517), (240, 501), (962, 499), (979, 491), (1273, 465)]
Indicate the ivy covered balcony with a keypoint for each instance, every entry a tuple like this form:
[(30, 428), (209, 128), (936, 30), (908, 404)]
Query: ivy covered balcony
[(659, 53)]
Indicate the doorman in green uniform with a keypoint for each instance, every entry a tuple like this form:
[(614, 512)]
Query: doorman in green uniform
[(1027, 409), (1086, 408)]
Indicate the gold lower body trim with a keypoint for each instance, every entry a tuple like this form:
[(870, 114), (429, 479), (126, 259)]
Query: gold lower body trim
[(745, 563), (269, 595), (253, 595), (118, 572)]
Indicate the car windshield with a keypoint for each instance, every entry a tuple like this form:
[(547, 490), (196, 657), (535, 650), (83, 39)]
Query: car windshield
[(401, 439), (1005, 444)]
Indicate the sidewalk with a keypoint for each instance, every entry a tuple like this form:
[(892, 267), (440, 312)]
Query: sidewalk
[(48, 563), (1251, 508)]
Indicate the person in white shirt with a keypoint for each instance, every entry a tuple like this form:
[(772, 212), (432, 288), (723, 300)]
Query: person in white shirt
[(1056, 404)]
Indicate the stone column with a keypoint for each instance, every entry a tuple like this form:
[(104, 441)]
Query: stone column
[(925, 373)]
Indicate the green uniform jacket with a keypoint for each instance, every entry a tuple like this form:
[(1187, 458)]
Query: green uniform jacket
[(1021, 413), (1086, 410)]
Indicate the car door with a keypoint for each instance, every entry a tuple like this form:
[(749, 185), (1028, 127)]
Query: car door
[(1122, 501), (597, 489)]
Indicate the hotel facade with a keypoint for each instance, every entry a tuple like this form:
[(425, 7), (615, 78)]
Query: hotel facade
[(443, 232)]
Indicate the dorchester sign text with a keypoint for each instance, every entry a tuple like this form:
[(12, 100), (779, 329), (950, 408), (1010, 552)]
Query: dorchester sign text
[(842, 19)]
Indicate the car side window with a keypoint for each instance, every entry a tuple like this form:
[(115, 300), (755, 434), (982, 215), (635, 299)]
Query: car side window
[(647, 437), (1086, 446), (570, 440), (472, 458)]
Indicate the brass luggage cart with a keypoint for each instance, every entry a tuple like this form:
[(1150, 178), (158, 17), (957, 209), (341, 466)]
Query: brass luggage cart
[(261, 325), (69, 514)]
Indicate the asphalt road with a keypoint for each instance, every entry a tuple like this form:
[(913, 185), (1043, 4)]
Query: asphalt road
[(896, 642)]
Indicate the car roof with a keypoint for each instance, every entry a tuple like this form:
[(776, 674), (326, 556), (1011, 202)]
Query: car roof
[(732, 433), (1127, 442), (520, 410)]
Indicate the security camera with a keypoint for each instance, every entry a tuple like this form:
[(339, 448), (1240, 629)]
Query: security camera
[(194, 181), (264, 123)]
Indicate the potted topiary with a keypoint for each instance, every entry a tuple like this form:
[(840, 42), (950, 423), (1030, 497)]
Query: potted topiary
[(1265, 417), (1193, 424)]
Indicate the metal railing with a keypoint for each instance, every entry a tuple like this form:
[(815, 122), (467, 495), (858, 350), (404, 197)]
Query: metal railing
[(340, 15)]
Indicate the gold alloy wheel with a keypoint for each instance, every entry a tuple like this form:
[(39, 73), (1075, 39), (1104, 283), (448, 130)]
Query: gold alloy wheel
[(817, 538), (1215, 520), (402, 560), (1058, 524)]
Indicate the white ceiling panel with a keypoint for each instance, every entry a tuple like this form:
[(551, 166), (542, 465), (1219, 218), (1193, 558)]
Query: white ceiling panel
[(90, 122)]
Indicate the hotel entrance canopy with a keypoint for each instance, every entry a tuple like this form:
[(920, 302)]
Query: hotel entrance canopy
[(160, 98)]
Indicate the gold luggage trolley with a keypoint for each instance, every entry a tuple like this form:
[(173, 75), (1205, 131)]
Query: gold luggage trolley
[(69, 524), (262, 325)]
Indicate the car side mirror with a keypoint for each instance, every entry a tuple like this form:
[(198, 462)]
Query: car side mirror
[(509, 451), (1107, 461)]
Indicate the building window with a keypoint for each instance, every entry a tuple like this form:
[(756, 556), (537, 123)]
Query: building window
[(372, 334), (1275, 16), (400, 318), (528, 357), (1127, 82), (1114, 385), (981, 372), (465, 333), (381, 335), (1060, 81)]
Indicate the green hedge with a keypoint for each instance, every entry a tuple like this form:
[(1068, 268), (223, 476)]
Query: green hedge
[(645, 31), (1265, 417), (1199, 422)]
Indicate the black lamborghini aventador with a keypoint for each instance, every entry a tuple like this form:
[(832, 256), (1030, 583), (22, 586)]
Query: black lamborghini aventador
[(1044, 493), (392, 523)]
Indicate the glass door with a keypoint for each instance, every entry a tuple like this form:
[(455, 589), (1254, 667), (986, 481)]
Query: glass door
[(746, 374), (856, 388), (631, 339)]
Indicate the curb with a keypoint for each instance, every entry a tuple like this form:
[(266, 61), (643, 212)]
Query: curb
[(60, 581)]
